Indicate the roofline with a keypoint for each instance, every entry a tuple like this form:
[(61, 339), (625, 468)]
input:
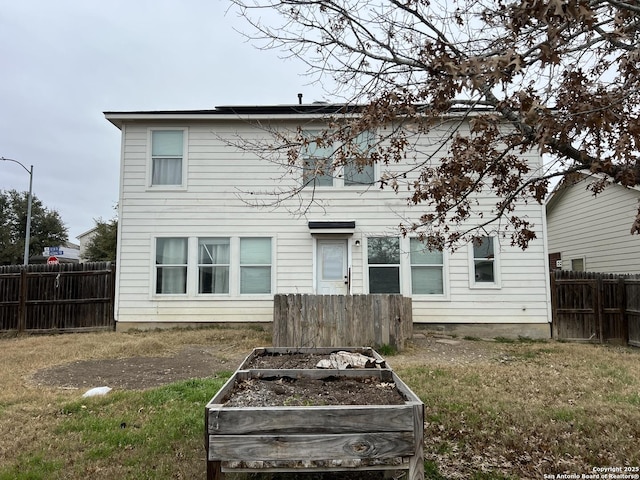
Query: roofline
[(244, 112), (584, 175)]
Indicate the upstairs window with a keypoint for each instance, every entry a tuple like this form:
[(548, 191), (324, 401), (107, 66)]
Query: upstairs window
[(383, 257), (318, 162), (167, 150), (356, 173), (427, 267), (316, 170)]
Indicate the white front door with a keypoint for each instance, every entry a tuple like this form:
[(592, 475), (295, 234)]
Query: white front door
[(331, 267)]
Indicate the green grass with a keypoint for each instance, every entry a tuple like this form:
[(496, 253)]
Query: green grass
[(387, 350), (143, 430)]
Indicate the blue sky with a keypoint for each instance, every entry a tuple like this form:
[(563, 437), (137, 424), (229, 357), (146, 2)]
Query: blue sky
[(66, 62)]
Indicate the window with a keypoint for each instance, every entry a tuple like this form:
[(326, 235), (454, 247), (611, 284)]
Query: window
[(166, 157), (577, 264), (171, 265), (318, 161), (426, 270), (383, 254), (206, 266), (484, 266), (213, 265), (360, 174), (255, 265)]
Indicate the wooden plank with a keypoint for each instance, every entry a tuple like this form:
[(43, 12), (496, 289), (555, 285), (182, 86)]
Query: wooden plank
[(310, 447), (383, 375), (416, 461), (322, 419), (22, 309), (357, 464)]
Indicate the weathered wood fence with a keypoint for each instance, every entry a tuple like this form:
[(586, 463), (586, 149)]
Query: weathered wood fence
[(341, 320), (69, 297), (595, 307)]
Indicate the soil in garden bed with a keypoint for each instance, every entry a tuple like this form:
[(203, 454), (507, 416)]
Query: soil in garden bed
[(332, 390), (296, 361)]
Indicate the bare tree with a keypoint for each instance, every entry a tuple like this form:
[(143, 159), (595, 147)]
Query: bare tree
[(561, 74)]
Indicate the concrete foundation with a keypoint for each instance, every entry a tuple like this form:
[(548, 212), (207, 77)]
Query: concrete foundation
[(487, 330), (477, 330)]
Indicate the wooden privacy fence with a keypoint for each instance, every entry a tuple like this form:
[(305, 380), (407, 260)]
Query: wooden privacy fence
[(341, 320), (595, 307), (50, 298)]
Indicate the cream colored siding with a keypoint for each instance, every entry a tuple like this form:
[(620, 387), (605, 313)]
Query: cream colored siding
[(222, 180), (595, 228)]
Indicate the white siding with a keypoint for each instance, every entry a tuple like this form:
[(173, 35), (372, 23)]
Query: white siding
[(221, 180), (595, 228)]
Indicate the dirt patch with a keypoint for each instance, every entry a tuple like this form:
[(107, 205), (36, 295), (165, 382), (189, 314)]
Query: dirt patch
[(137, 373)]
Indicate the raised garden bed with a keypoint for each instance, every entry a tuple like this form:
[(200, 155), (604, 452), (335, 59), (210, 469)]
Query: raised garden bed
[(292, 419)]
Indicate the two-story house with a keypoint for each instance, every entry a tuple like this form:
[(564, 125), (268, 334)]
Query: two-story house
[(194, 248)]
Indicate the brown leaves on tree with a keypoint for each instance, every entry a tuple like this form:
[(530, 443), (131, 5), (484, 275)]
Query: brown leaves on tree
[(463, 91)]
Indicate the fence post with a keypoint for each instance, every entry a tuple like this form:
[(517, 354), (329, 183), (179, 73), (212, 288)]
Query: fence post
[(22, 305), (622, 302), (554, 307), (598, 306)]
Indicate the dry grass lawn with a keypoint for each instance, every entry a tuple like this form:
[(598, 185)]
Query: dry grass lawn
[(494, 410)]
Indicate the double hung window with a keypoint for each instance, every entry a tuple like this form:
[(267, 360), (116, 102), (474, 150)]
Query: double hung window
[(317, 158), (171, 265), (383, 255), (484, 261), (427, 270), (167, 152), (213, 265), (255, 265)]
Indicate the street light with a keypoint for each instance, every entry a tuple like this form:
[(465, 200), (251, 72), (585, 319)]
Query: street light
[(27, 234)]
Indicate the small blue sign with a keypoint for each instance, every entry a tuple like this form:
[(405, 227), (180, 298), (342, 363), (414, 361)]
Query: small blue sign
[(55, 251)]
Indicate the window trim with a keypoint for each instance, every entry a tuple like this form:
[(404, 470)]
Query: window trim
[(497, 280), (185, 142)]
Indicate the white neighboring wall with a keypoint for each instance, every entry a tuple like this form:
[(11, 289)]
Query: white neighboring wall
[(594, 231)]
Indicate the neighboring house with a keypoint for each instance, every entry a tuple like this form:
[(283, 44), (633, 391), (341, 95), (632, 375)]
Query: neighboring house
[(593, 233), (84, 239), (192, 250)]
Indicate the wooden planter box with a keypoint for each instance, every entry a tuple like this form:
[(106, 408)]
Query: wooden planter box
[(308, 438)]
